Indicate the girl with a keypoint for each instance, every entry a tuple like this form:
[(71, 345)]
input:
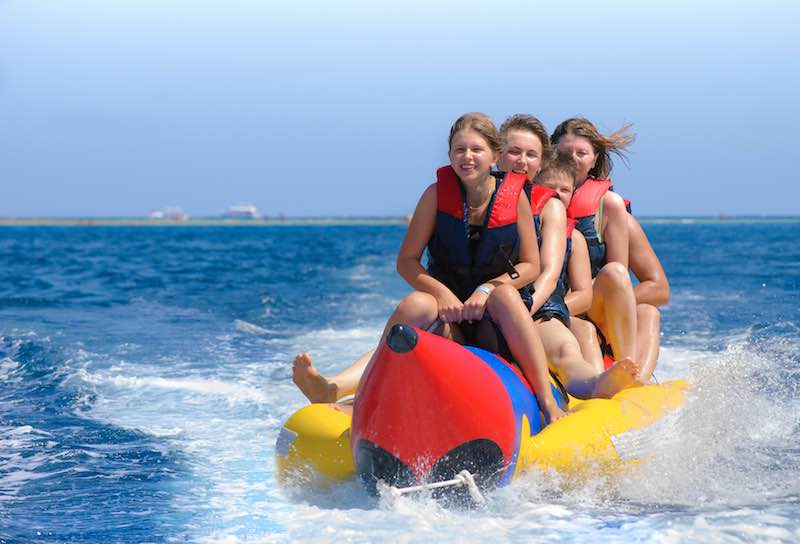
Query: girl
[(602, 218), (467, 216)]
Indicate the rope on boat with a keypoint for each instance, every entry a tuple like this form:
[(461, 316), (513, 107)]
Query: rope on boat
[(462, 478)]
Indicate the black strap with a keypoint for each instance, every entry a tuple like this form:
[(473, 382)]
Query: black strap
[(560, 387)]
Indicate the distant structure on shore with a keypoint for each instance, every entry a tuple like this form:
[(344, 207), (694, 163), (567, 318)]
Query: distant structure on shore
[(173, 213), (242, 211)]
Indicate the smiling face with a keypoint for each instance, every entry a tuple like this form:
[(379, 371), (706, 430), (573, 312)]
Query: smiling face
[(521, 153), (561, 182), (581, 150), (471, 157)]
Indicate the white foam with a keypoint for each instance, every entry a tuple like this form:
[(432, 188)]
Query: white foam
[(250, 328), (232, 392), (226, 419)]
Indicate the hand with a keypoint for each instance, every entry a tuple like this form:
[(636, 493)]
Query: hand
[(474, 307), (450, 307)]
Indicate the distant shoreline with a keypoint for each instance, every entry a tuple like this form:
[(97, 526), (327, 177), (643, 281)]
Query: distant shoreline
[(331, 221), (199, 222)]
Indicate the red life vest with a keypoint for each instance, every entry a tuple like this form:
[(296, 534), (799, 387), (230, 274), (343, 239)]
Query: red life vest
[(583, 208), (539, 195)]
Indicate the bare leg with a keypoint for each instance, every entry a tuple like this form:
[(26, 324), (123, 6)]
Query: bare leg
[(512, 317), (614, 309), (417, 309), (586, 335), (582, 379), (318, 388), (648, 339)]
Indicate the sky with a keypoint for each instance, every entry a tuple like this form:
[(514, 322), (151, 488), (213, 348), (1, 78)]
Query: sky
[(116, 108)]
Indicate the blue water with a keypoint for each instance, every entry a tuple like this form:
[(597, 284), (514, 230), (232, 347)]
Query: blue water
[(145, 373)]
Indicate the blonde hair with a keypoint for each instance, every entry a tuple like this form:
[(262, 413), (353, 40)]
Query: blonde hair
[(528, 123), (615, 143), (480, 123)]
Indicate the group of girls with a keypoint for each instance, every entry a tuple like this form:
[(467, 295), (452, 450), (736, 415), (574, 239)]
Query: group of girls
[(528, 256)]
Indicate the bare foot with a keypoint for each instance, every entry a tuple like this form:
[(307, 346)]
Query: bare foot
[(313, 384), (621, 375), (552, 411)]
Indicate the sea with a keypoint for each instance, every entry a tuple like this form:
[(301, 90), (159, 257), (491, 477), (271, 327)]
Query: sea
[(145, 373)]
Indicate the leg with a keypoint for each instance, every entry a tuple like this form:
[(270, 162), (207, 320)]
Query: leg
[(648, 338), (582, 379), (586, 335), (512, 317), (417, 309), (614, 309), (318, 388)]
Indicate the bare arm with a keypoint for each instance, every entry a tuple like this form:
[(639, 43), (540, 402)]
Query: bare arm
[(653, 287), (579, 269), (615, 228), (419, 232), (554, 246)]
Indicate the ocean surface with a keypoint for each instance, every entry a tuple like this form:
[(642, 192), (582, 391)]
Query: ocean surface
[(145, 374)]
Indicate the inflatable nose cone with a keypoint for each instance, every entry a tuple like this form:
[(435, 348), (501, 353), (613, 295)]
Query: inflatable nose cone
[(402, 338), (429, 408)]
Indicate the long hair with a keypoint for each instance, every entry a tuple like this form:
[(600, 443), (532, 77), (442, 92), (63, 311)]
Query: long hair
[(615, 143)]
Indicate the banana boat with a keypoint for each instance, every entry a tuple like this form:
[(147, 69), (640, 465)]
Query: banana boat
[(430, 409)]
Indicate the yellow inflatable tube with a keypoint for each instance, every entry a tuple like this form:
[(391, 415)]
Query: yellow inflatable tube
[(597, 435)]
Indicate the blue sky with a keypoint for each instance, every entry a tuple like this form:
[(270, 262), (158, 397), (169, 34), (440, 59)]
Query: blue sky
[(114, 108)]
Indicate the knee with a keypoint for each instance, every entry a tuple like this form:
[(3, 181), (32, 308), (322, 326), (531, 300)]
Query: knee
[(417, 303), (503, 295), (569, 351), (583, 330), (615, 275)]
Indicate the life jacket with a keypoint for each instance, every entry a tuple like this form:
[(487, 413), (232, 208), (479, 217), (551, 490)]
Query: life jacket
[(453, 258), (583, 209), (539, 196)]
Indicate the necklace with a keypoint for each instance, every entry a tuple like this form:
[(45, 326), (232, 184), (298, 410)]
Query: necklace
[(485, 200)]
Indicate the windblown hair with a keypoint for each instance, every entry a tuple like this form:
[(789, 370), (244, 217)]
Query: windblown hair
[(480, 123), (529, 123), (615, 143)]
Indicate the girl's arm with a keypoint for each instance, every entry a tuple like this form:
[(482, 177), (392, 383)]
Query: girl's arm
[(653, 287), (579, 269), (615, 228), (554, 245), (419, 232)]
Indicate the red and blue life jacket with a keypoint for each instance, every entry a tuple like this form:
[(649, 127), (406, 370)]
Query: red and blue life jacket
[(461, 263), (583, 209)]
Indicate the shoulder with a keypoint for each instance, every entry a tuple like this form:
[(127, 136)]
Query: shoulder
[(428, 201), (614, 200), (553, 209), (554, 204)]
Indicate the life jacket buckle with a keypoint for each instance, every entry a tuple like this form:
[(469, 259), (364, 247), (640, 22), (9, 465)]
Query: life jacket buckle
[(508, 264)]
